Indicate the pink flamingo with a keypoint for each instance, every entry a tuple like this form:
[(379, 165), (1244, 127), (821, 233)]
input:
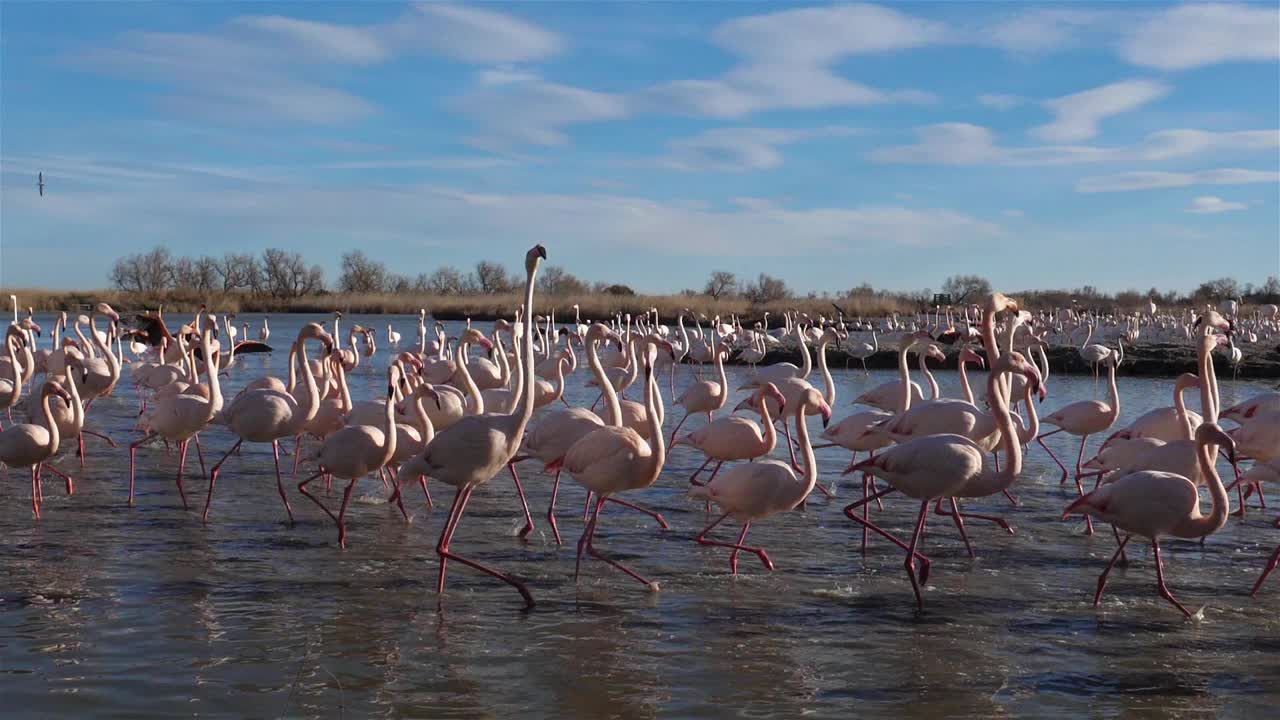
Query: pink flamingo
[(471, 451), (736, 438), (613, 459), (1156, 504), (30, 445), (706, 396), (758, 490), (934, 467)]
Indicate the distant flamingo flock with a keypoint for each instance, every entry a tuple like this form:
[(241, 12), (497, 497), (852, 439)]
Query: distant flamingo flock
[(452, 415)]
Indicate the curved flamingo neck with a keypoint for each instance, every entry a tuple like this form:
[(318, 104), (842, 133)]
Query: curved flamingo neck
[(215, 385), (606, 387), (310, 402), (829, 386), (1033, 418), (724, 380), (344, 392), (1198, 526), (473, 390), (904, 378), (293, 368), (388, 429), (770, 432), (934, 392), (1180, 410), (51, 425), (806, 366), (524, 409), (964, 382), (806, 449), (657, 443), (1113, 393)]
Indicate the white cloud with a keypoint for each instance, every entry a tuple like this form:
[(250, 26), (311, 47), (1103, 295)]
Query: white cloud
[(263, 69), (1150, 180), (1191, 36), (966, 144), (515, 107), (786, 59), (1012, 213), (1040, 30), (1077, 116), (738, 149), (1210, 205), (1001, 102)]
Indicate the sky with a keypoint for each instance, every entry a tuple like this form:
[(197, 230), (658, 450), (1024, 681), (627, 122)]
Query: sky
[(1040, 145)]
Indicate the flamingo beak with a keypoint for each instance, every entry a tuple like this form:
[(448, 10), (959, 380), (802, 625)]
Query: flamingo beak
[(826, 415), (744, 405)]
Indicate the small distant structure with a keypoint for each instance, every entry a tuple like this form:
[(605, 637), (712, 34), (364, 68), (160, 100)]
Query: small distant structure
[(40, 183), (942, 298)]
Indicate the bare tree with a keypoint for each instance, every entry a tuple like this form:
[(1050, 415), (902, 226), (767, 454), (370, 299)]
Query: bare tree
[(446, 281), (966, 288), (146, 272), (1221, 289), (398, 284), (555, 280), (721, 284), (205, 274), (766, 289), (286, 275), (181, 274), (491, 278), (239, 272), (360, 274)]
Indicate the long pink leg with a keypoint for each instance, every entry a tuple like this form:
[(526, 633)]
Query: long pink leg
[(71, 488), (35, 491), (673, 432), (851, 508), (693, 479), (1164, 589), (524, 504), (342, 513), (1004, 525), (586, 509), (275, 455), (460, 504), (911, 553), (1040, 439), (133, 450), (395, 492), (1102, 579), (302, 488), (1271, 565), (422, 480), (182, 464), (100, 436), (213, 479), (80, 449), (956, 518), (199, 454), (297, 452), (1088, 520), (587, 536), (651, 513), (737, 547), (551, 509)]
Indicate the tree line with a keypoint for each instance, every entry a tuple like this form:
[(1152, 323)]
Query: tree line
[(284, 275)]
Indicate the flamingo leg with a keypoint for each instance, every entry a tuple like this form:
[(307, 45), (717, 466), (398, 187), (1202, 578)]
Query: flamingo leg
[(693, 478), (1088, 520), (71, 488), (395, 492), (459, 505), (849, 513), (199, 454), (213, 479), (100, 436), (1004, 525), (551, 509), (422, 480), (1102, 579), (586, 509), (737, 547), (1271, 565), (792, 448), (1040, 439), (585, 541), (910, 563), (528, 519), (297, 453), (133, 451), (275, 456), (302, 488), (35, 492), (651, 513), (677, 429), (342, 513), (956, 518), (1164, 589), (182, 464)]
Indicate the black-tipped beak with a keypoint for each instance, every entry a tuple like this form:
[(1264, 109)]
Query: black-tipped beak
[(391, 392), (542, 252)]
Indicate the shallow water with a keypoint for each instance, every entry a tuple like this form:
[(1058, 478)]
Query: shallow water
[(124, 612)]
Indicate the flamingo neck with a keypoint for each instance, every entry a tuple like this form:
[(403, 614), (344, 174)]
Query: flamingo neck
[(1180, 409), (770, 432), (904, 379), (310, 402), (1112, 392), (524, 410), (610, 397), (293, 368), (928, 376), (829, 386), (1198, 526), (215, 385), (657, 443), (51, 425), (724, 381), (806, 361), (806, 449), (388, 431), (964, 383), (473, 390), (1033, 418)]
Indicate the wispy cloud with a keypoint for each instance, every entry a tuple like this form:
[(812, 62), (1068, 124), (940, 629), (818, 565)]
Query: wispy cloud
[(1191, 36), (786, 60), (966, 144), (1210, 205), (740, 149), (1076, 116), (522, 107), (1001, 101), (1151, 180)]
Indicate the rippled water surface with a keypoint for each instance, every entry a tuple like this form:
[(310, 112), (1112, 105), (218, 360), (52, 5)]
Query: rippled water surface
[(108, 610)]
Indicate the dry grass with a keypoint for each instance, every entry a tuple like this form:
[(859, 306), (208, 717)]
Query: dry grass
[(593, 306)]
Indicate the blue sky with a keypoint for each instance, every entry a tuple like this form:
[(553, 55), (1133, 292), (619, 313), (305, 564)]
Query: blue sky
[(1041, 145)]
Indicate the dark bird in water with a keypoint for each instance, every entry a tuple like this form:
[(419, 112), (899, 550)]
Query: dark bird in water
[(40, 183)]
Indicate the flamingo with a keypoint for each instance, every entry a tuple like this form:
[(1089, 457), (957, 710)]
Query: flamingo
[(30, 445), (736, 438), (1084, 418), (706, 396), (758, 490), (1261, 403), (934, 467), (556, 432), (470, 452), (1155, 504), (180, 417), (393, 337), (864, 350), (614, 459), (264, 333), (355, 451), (779, 372), (267, 416), (1166, 423), (11, 387)]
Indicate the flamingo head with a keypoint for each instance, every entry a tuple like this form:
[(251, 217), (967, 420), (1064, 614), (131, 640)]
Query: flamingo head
[(967, 355), (54, 388), (536, 254), (29, 324), (1016, 362), (769, 390), (1210, 434), (1186, 381), (410, 359), (813, 398), (934, 352), (472, 336), (315, 331), (105, 309), (748, 403), (394, 378), (999, 302)]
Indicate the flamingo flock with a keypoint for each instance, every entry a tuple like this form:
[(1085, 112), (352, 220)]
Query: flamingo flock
[(460, 417)]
